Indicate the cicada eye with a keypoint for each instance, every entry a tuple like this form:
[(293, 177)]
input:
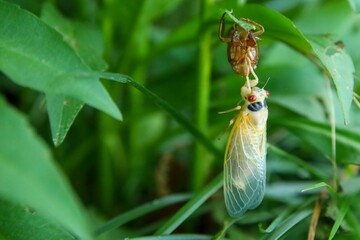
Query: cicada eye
[(267, 93), (251, 98)]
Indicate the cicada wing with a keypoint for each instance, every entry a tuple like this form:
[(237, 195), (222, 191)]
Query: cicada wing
[(245, 167)]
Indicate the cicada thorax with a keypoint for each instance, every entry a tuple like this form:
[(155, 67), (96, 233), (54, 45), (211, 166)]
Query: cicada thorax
[(256, 106), (242, 50)]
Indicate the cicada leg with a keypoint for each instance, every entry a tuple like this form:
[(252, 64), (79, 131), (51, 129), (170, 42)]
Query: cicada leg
[(255, 81), (237, 108), (221, 30), (251, 82), (260, 30)]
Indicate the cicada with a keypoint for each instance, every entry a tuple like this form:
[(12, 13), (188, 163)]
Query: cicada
[(243, 53), (245, 155)]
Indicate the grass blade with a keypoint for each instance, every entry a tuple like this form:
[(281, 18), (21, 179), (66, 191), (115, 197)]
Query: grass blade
[(140, 211), (291, 221), (191, 206), (319, 185), (339, 219), (175, 237), (310, 169)]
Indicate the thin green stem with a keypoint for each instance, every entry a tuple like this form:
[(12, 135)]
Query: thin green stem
[(106, 128), (167, 107), (331, 110), (107, 29), (136, 50), (201, 164)]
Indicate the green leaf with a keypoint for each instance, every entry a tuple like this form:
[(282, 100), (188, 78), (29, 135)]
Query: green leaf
[(84, 39), (62, 113), (355, 5), (36, 56), (316, 20), (320, 185), (19, 222), (276, 25), (339, 218), (339, 66), (28, 175)]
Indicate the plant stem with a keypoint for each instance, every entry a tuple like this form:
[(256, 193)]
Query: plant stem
[(106, 128), (136, 50), (200, 165), (331, 110)]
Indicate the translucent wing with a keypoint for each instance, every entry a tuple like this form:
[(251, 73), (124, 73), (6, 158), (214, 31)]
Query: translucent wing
[(245, 166)]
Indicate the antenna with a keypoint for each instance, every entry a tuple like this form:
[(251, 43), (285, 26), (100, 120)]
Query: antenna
[(266, 83)]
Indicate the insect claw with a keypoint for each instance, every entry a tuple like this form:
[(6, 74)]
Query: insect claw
[(229, 11)]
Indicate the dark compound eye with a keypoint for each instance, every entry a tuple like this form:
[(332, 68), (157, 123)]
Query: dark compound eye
[(254, 107), (251, 98)]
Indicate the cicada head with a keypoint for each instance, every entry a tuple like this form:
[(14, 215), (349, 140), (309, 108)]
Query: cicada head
[(255, 95)]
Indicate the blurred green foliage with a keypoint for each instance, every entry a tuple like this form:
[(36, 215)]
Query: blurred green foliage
[(69, 171)]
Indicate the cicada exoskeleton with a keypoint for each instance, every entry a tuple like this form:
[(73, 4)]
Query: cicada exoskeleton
[(243, 53)]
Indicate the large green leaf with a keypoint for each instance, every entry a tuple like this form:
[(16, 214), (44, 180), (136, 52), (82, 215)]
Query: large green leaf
[(339, 66), (84, 39), (276, 25), (18, 222), (29, 177), (36, 56), (355, 4)]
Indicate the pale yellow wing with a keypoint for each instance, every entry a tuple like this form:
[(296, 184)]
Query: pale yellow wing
[(245, 167)]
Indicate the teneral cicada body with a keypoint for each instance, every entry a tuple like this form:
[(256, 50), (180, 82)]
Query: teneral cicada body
[(245, 155), (242, 46)]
